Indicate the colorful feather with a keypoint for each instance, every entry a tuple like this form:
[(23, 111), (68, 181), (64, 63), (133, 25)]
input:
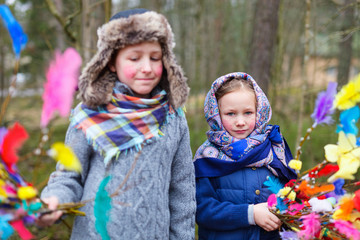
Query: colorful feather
[(102, 207), (17, 34), (272, 200), (288, 235), (347, 229), (349, 95), (346, 204), (339, 183), (357, 200), (295, 208), (324, 105), (308, 190), (3, 132), (62, 77), (5, 228), (348, 120), (273, 184), (311, 226), (24, 234), (65, 155), (13, 140)]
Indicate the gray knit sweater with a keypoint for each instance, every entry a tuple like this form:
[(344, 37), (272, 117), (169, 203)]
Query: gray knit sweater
[(158, 201)]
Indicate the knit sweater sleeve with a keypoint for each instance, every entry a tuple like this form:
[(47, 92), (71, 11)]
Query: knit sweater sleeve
[(218, 215), (182, 190), (67, 186)]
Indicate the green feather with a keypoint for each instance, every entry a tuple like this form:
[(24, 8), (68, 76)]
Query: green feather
[(102, 207)]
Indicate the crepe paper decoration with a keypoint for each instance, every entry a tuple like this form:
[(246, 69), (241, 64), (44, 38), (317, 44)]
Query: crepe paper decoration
[(346, 146), (349, 95), (287, 192), (24, 234), (65, 155), (17, 34), (62, 77), (347, 229), (27, 192), (339, 183), (289, 235), (320, 205), (102, 207), (295, 164), (348, 120), (311, 226), (324, 105), (272, 200), (295, 208), (348, 166), (346, 204), (357, 200), (6, 229), (13, 140), (273, 184)]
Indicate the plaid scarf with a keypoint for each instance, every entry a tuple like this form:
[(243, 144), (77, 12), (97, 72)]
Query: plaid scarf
[(123, 124)]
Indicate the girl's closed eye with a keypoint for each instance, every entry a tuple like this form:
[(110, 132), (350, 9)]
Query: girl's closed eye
[(133, 58), (230, 114), (249, 113), (156, 57)]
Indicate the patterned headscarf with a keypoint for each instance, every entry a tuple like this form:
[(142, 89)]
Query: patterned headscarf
[(264, 146)]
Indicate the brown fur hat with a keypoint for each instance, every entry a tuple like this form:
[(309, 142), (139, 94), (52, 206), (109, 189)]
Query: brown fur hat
[(128, 28)]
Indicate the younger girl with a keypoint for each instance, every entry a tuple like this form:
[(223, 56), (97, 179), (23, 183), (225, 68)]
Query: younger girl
[(232, 165), (132, 94)]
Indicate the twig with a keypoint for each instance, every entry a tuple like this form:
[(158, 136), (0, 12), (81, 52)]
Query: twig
[(11, 89)]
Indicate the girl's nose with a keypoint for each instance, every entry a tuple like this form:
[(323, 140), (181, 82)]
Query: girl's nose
[(146, 66), (240, 121)]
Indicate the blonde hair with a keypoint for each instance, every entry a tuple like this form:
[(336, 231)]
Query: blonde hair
[(232, 85)]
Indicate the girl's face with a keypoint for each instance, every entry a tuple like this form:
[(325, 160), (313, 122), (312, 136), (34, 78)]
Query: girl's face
[(238, 112), (139, 66)]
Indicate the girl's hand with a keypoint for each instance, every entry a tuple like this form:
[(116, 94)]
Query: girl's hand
[(264, 218), (50, 218)]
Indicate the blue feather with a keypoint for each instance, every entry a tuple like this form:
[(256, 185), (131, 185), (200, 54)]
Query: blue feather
[(273, 184), (102, 207), (19, 38)]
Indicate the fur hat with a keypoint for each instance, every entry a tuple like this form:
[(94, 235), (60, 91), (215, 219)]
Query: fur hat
[(127, 28)]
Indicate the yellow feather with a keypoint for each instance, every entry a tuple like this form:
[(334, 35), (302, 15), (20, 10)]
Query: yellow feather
[(64, 155), (349, 95)]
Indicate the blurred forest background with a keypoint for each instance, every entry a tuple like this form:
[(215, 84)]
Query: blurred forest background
[(292, 48)]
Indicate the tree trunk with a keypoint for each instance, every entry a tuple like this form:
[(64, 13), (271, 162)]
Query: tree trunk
[(263, 41), (304, 76), (93, 17), (60, 37), (345, 45)]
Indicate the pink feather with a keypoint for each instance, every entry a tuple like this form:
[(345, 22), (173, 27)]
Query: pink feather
[(62, 77), (295, 208), (272, 200), (347, 229), (311, 226)]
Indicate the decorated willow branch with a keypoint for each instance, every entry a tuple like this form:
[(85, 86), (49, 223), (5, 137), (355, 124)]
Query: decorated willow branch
[(324, 201), (19, 201)]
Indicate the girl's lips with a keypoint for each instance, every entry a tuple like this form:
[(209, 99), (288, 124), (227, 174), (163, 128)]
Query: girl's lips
[(240, 131)]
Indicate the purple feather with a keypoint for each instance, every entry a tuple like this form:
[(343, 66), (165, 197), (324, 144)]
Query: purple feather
[(288, 235), (324, 105)]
